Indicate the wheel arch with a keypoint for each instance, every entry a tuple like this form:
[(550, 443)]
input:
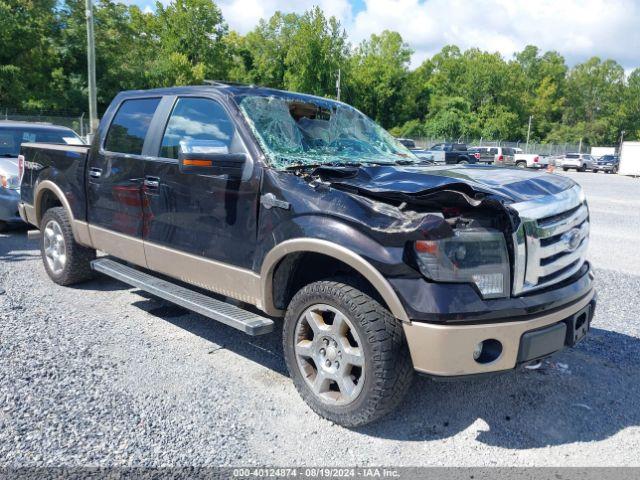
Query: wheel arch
[(289, 250), (48, 195)]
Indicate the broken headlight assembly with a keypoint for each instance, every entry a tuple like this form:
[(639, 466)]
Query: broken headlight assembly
[(476, 255)]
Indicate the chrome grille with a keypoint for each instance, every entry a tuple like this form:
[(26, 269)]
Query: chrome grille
[(551, 241)]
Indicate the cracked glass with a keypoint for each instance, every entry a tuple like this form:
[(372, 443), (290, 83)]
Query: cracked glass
[(302, 131)]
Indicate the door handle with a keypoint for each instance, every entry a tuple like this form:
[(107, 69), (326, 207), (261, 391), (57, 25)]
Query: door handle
[(95, 172), (152, 182)]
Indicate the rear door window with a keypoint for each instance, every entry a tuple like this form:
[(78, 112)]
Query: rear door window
[(130, 126), (197, 124)]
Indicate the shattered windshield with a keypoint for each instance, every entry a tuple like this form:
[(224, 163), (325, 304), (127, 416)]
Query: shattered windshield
[(298, 131)]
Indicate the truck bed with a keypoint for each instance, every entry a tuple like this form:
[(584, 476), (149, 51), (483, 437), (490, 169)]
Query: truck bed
[(64, 165)]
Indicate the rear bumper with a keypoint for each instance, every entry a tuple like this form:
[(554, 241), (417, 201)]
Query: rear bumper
[(566, 164), (447, 350), (604, 168)]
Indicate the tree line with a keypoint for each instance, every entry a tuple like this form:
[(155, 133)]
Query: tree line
[(453, 94)]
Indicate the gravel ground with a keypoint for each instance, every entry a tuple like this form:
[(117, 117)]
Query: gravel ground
[(102, 374)]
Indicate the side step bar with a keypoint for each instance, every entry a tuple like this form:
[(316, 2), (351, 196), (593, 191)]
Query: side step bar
[(226, 313)]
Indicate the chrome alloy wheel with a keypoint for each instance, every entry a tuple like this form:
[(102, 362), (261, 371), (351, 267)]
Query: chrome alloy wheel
[(55, 250), (329, 354)]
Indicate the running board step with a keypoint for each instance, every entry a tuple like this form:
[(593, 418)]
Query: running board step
[(226, 313)]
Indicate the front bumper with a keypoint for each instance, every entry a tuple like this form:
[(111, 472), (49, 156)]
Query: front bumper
[(9, 200), (446, 350)]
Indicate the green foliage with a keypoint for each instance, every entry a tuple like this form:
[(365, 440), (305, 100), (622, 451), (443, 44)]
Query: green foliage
[(377, 75), (452, 94)]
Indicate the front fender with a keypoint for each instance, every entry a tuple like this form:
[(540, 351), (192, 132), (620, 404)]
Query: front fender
[(334, 250)]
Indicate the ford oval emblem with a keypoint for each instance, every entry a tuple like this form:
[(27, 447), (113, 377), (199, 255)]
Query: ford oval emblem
[(572, 239)]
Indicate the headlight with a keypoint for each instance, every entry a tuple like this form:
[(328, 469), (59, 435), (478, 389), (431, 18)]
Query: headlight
[(476, 255), (11, 182)]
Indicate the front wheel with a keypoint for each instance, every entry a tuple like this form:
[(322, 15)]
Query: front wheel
[(463, 162), (583, 168), (66, 261), (346, 353)]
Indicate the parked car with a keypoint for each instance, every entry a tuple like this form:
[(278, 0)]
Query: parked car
[(407, 142), (503, 156), (580, 162), (607, 164), (12, 134), (529, 160), (453, 153), (302, 208), (486, 156)]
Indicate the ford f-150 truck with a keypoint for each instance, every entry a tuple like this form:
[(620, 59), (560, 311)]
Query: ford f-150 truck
[(262, 208)]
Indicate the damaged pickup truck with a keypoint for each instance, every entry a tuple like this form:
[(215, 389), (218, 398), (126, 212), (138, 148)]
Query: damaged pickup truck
[(251, 205)]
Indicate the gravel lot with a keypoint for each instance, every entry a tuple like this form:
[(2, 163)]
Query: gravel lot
[(102, 374)]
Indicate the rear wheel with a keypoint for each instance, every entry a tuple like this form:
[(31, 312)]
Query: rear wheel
[(521, 164), (3, 226), (66, 261), (583, 168), (463, 162), (346, 353), (614, 170), (565, 169)]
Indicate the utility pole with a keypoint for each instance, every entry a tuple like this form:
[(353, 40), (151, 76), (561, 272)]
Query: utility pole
[(580, 146), (526, 149), (338, 84), (91, 67), (621, 141)]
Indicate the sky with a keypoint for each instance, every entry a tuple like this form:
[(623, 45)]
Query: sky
[(578, 29)]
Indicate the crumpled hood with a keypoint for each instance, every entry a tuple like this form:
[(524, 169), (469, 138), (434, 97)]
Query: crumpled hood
[(513, 185)]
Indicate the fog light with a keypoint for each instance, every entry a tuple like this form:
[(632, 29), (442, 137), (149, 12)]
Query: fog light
[(487, 351)]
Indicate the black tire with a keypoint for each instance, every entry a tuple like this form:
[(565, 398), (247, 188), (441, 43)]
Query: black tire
[(595, 170), (614, 170), (521, 164), (583, 168), (565, 169), (463, 162), (388, 371), (3, 226), (77, 266)]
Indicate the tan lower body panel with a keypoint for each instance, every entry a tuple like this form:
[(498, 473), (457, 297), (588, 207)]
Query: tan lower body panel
[(234, 282), (119, 245), (28, 213), (238, 283), (447, 350)]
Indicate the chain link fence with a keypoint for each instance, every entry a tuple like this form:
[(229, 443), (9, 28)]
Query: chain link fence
[(79, 123), (533, 147)]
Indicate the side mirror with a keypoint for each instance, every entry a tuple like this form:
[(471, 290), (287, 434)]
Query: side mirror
[(210, 157)]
